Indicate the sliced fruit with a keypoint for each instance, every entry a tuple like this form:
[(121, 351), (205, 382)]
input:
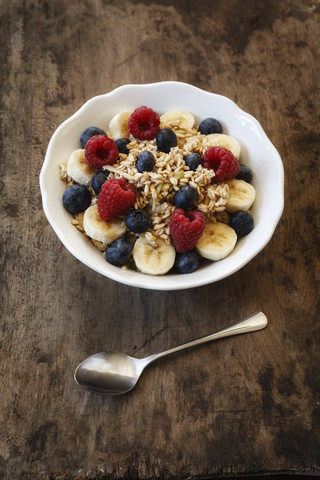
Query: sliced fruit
[(100, 230), (217, 241), (225, 141), (78, 168), (177, 119), (153, 260), (118, 126), (241, 195)]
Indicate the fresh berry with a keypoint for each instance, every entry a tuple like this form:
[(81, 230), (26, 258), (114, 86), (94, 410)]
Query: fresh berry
[(210, 125), (185, 197), (144, 123), (138, 221), (122, 145), (101, 150), (222, 161), (193, 160), (166, 139), (241, 222), (90, 132), (245, 173), (76, 198), (145, 161), (115, 199), (186, 262), (98, 179), (119, 252), (186, 228)]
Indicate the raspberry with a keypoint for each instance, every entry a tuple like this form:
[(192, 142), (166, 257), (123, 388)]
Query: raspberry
[(101, 150), (144, 123), (186, 228), (116, 197), (222, 161)]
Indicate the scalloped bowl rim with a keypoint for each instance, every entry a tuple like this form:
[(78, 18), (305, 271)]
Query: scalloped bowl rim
[(236, 122)]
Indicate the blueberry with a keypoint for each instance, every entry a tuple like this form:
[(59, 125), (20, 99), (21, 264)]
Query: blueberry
[(76, 198), (210, 125), (241, 222), (138, 221), (245, 173), (193, 160), (166, 139), (98, 179), (119, 252), (185, 197), (90, 132), (122, 145), (186, 262), (145, 161)]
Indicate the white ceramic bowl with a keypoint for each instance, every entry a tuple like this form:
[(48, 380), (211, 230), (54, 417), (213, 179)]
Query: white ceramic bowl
[(256, 151)]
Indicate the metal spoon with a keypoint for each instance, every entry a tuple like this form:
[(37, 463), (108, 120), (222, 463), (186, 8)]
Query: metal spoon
[(114, 373)]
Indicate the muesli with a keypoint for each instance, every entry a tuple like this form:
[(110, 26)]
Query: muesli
[(158, 194)]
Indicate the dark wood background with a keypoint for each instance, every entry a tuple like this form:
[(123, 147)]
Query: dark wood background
[(245, 405)]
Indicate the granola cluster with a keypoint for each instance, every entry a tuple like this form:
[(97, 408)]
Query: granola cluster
[(156, 189)]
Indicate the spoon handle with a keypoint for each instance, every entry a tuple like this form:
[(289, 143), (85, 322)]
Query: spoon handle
[(251, 323)]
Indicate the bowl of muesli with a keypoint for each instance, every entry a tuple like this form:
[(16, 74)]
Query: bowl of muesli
[(162, 186)]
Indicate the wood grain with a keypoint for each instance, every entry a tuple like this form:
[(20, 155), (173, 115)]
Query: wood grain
[(244, 405)]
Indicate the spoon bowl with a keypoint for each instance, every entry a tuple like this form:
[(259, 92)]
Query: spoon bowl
[(109, 373), (115, 373)]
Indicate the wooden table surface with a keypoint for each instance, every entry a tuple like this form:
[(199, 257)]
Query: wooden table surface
[(248, 404)]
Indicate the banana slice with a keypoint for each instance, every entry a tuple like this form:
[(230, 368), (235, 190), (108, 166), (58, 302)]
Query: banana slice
[(217, 241), (177, 119), (118, 126), (100, 230), (241, 195), (153, 260), (225, 141), (78, 168)]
